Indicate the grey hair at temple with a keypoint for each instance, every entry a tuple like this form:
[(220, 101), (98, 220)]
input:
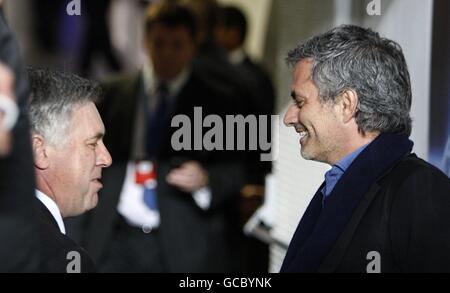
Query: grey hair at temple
[(53, 97)]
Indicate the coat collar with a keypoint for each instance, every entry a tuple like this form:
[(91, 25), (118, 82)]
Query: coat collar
[(320, 227)]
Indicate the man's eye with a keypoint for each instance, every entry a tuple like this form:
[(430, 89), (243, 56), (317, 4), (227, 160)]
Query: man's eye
[(299, 104), (93, 145)]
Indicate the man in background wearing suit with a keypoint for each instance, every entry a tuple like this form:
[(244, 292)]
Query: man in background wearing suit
[(230, 34), (187, 221), (69, 155)]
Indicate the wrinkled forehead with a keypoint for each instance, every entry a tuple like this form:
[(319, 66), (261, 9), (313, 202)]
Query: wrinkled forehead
[(302, 75), (85, 119), (303, 69)]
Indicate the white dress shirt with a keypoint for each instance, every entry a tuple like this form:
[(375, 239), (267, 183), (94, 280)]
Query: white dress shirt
[(237, 56), (53, 209)]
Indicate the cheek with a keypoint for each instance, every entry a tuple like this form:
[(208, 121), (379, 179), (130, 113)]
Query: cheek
[(186, 55), (323, 124), (330, 127), (311, 119), (86, 165), (89, 160), (65, 164)]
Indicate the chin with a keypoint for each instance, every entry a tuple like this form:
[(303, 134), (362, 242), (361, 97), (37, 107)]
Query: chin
[(92, 203), (305, 154), (306, 157)]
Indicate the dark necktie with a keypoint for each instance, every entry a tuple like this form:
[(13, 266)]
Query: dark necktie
[(157, 121)]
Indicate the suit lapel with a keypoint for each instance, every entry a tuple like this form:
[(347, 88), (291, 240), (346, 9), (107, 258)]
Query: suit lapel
[(334, 258), (45, 214), (304, 230)]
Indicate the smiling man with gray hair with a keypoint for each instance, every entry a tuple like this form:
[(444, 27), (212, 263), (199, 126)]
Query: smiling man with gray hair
[(380, 208)]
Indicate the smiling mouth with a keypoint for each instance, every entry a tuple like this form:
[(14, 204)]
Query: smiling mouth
[(303, 135)]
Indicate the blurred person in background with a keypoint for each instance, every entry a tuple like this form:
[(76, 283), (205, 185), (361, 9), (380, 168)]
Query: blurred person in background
[(20, 248), (230, 34), (8, 109), (163, 210), (96, 42)]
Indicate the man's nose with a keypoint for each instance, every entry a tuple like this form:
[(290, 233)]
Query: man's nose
[(104, 158), (291, 116)]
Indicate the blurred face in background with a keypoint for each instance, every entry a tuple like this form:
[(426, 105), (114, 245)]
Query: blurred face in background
[(170, 49), (6, 103), (228, 38)]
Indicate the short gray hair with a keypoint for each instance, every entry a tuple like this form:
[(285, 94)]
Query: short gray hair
[(351, 57), (53, 97)]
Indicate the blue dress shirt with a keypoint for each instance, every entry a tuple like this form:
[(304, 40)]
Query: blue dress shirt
[(333, 175)]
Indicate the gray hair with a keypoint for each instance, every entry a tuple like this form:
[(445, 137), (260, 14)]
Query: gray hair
[(351, 57), (53, 97)]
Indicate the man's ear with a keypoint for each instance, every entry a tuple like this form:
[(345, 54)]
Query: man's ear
[(40, 152), (348, 101)]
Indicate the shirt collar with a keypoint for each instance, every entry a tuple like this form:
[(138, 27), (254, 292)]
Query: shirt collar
[(53, 209), (237, 56), (333, 175), (151, 81), (346, 161)]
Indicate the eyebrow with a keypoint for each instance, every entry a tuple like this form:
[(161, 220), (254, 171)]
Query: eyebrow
[(295, 95), (98, 136)]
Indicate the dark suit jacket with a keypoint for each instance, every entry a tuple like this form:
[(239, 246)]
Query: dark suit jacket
[(261, 83), (191, 240), (391, 203), (56, 246), (260, 102)]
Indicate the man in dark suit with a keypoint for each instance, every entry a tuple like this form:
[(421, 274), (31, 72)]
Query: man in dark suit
[(190, 223), (230, 34), (20, 248), (69, 155), (381, 208)]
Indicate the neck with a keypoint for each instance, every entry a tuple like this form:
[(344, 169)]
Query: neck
[(354, 144), (43, 185)]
